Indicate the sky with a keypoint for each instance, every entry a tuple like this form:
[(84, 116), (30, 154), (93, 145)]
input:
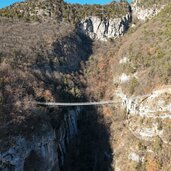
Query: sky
[(4, 3), (90, 1)]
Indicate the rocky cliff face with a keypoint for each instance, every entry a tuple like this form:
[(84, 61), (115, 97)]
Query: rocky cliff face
[(43, 152), (104, 28), (144, 13), (152, 106), (147, 124)]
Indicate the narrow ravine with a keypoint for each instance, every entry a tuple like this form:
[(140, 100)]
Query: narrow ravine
[(91, 150)]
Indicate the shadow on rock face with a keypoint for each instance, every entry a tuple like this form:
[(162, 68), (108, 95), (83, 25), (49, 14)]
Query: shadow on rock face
[(91, 150), (32, 162)]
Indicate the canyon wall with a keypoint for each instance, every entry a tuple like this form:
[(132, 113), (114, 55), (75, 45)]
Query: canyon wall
[(45, 151), (104, 28), (143, 13)]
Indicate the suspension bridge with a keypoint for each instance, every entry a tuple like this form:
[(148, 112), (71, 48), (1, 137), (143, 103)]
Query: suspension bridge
[(75, 104)]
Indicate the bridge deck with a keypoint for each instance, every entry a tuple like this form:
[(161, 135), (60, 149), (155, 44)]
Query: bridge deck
[(76, 104)]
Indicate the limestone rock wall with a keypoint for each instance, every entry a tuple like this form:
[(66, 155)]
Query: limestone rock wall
[(45, 152), (142, 13), (104, 28)]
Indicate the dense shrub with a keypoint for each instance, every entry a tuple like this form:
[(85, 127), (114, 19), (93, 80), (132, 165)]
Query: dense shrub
[(35, 11)]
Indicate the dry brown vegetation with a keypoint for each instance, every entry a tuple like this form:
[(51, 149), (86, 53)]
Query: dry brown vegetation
[(150, 3), (58, 9), (98, 72), (147, 48), (148, 51), (38, 62), (42, 61)]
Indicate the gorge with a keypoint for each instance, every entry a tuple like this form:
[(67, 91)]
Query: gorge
[(52, 51)]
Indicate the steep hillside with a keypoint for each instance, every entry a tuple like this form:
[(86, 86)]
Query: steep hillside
[(51, 51), (100, 22), (39, 62), (41, 54), (146, 9), (58, 9), (136, 73), (150, 3), (146, 51)]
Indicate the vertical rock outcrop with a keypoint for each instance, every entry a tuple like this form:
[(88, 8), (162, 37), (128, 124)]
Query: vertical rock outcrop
[(44, 152), (104, 28), (143, 13)]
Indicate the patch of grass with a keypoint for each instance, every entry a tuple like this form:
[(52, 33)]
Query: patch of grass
[(157, 145), (132, 85)]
